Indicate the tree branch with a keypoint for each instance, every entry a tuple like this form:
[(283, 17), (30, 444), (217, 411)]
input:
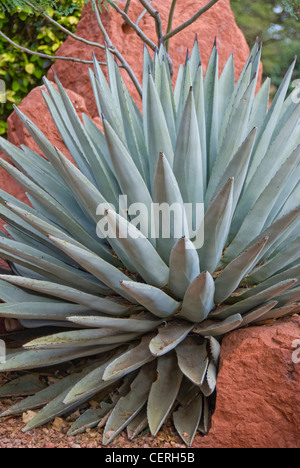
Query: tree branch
[(45, 56), (142, 15), (115, 51), (127, 6), (135, 27), (65, 30), (192, 20), (170, 23), (155, 14)]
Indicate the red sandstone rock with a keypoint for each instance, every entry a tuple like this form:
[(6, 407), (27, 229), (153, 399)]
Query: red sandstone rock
[(218, 22), (258, 398)]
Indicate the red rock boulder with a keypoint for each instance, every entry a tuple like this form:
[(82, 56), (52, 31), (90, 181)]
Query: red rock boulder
[(258, 398)]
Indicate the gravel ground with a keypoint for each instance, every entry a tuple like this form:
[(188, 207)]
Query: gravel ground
[(54, 435)]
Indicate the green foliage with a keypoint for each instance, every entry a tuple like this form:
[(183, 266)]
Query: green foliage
[(20, 71), (276, 28), (293, 7), (62, 7)]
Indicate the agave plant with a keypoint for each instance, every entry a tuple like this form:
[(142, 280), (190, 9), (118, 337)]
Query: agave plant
[(151, 311)]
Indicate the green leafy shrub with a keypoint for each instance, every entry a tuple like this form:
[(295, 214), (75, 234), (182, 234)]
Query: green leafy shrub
[(276, 25), (23, 72)]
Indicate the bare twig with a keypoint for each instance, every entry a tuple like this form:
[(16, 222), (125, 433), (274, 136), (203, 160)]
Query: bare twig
[(155, 14), (65, 30), (192, 20), (115, 51), (135, 27), (159, 31), (170, 22), (45, 56), (127, 6), (142, 15)]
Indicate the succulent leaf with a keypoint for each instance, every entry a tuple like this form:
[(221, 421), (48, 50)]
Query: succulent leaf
[(193, 360), (163, 391), (153, 299), (168, 337), (130, 361), (198, 301), (184, 267), (187, 420), (129, 406)]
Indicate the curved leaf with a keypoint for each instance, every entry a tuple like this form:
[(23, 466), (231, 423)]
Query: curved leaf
[(228, 281), (187, 419), (168, 197), (124, 325), (163, 391), (184, 267), (256, 314), (193, 360), (280, 312), (107, 306), (98, 267), (40, 311), (245, 305), (105, 337), (129, 406), (210, 383), (198, 301), (139, 249), (129, 177), (169, 336), (211, 328), (153, 299), (130, 361), (188, 165), (216, 225), (158, 139), (34, 359)]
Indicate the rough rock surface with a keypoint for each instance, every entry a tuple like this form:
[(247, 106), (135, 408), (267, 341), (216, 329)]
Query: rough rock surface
[(218, 22), (258, 398)]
